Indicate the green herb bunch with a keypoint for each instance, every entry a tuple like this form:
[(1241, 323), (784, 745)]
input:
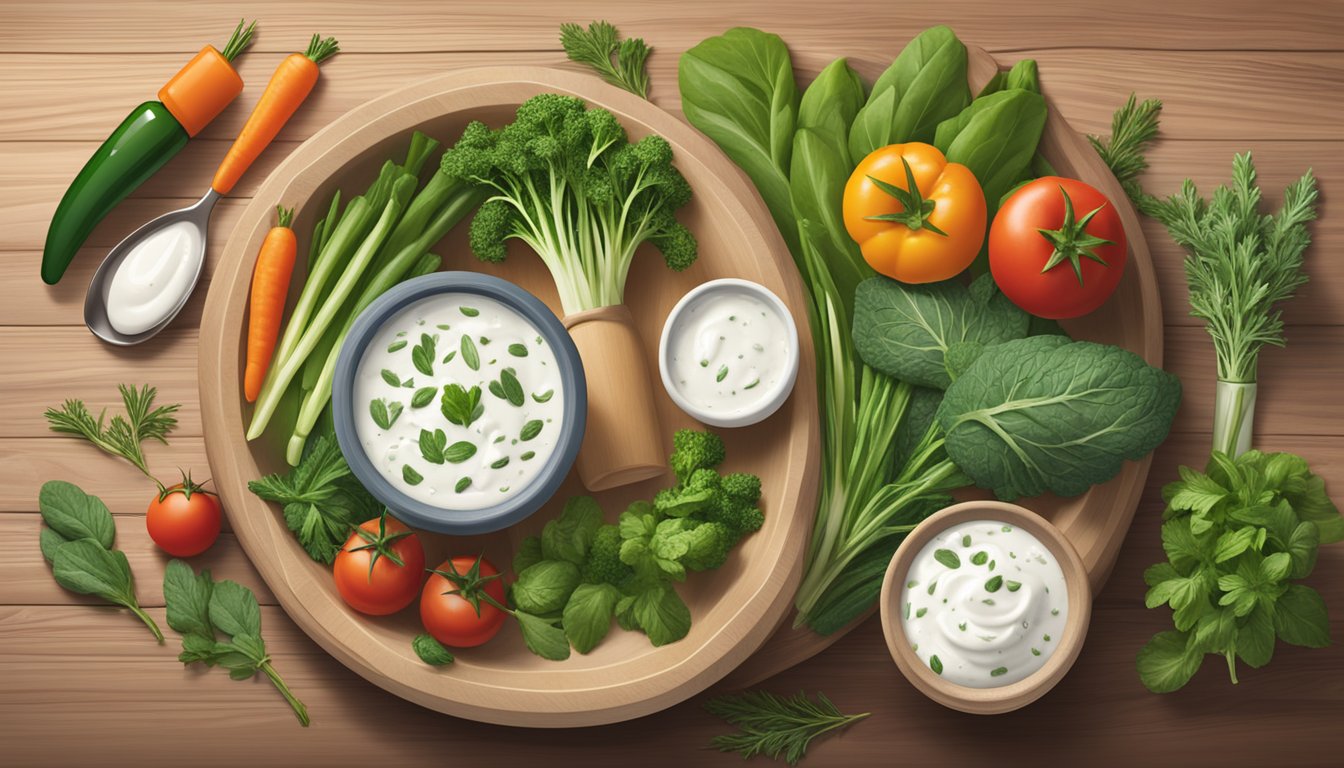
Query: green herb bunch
[(776, 726), (1238, 537), (199, 608), (122, 435), (620, 62)]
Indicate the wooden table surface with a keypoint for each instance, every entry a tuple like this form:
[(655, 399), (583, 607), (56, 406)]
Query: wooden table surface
[(82, 683)]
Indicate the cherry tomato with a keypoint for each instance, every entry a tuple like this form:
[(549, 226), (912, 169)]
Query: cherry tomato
[(379, 568), (184, 519), (461, 603), (1057, 248)]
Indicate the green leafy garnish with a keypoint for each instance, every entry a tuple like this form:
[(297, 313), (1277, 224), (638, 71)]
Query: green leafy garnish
[(431, 651), (422, 356), (124, 435), (947, 557), (384, 413), (199, 607), (461, 406), (432, 445), (409, 474), (776, 726), (469, 354), (530, 430), (518, 350), (423, 396), (620, 62)]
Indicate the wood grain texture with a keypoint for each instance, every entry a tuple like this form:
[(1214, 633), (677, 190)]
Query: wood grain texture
[(66, 662)]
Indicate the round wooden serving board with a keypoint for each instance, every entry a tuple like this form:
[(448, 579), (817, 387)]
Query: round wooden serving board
[(1095, 522), (735, 608)]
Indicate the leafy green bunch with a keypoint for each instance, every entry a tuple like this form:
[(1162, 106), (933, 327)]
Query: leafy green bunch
[(1237, 538), (565, 180), (321, 499), (580, 573), (199, 608)]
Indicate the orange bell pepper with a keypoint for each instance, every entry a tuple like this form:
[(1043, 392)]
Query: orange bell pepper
[(916, 217)]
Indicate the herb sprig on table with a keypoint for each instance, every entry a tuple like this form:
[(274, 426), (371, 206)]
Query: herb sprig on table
[(776, 726), (123, 435), (199, 608), (622, 63)]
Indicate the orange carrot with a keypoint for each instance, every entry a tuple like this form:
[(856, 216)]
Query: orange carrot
[(289, 86), (270, 283), (208, 83)]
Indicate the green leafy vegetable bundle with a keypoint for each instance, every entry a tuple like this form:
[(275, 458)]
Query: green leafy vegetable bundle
[(1238, 535), (580, 573), (923, 389)]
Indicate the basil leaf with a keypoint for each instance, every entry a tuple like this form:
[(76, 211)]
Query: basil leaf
[(569, 536), (378, 411), (431, 651), (529, 554), (1255, 638), (432, 445), (1166, 664), (1300, 617), (423, 396), (234, 610), (542, 638), (544, 588), (518, 350), (948, 558), (1303, 545), (423, 360), (588, 613), (469, 354), (459, 452), (996, 137), (391, 377), (86, 567), (530, 430), (186, 598), (660, 612), (49, 541), (74, 514), (513, 391), (461, 406), (925, 85)]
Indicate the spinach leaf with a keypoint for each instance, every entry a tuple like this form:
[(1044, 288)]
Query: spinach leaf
[(1166, 663), (738, 89), (905, 331), (542, 636), (73, 514), (234, 609), (820, 168), (569, 536), (85, 566), (544, 588), (996, 137), (1046, 414), (925, 85), (662, 614), (587, 615), (186, 598), (529, 554)]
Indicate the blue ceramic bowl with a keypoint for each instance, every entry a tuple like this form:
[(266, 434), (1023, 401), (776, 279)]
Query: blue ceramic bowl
[(552, 474)]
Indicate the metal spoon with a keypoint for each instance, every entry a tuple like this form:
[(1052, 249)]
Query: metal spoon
[(95, 301)]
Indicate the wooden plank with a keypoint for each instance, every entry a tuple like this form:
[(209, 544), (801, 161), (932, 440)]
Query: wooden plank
[(27, 577), (68, 664), (1205, 102), (27, 463), (1294, 381), (427, 25), (23, 227)]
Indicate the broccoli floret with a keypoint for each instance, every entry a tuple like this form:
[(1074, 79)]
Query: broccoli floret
[(560, 167), (737, 511), (709, 547), (692, 497), (742, 486), (692, 450), (603, 564)]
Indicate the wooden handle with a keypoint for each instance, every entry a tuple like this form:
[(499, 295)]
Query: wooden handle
[(623, 442)]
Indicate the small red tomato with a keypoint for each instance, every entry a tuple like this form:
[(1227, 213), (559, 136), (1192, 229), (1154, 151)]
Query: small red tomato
[(184, 519), (379, 568), (462, 602), (1057, 248)]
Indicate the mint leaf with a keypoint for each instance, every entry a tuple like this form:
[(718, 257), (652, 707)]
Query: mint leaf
[(1300, 617), (431, 651), (1255, 638), (423, 396), (588, 613), (469, 354), (544, 588), (234, 610), (461, 406), (459, 452), (1195, 491), (432, 445), (74, 514), (1185, 548), (542, 637), (186, 598), (1233, 543), (1303, 545), (1165, 664), (660, 612)]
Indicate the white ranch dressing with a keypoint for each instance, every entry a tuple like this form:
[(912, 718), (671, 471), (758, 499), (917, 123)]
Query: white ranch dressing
[(154, 277), (728, 352), (505, 458), (994, 618)]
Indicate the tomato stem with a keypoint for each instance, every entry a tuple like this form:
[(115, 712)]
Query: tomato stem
[(470, 586), (917, 209), (380, 543), (1072, 241)]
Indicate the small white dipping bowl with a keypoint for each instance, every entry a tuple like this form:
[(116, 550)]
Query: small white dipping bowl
[(769, 401)]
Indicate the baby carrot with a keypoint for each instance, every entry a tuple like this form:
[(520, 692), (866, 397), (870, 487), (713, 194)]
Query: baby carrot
[(270, 283), (289, 86)]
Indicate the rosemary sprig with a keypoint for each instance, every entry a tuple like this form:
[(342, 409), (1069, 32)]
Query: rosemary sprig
[(775, 726), (123, 435), (595, 47), (1133, 127)]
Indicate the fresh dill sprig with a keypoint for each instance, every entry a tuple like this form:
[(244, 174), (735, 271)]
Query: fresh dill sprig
[(1133, 126), (775, 726), (596, 45), (123, 435)]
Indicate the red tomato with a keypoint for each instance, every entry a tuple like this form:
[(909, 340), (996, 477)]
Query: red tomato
[(1057, 248), (461, 603), (184, 519), (378, 570)]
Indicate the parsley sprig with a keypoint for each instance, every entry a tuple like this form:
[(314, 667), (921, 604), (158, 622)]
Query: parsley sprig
[(774, 725), (598, 44), (123, 435)]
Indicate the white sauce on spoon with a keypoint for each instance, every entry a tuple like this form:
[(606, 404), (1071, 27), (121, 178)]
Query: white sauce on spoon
[(984, 604), (469, 341), (154, 277)]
